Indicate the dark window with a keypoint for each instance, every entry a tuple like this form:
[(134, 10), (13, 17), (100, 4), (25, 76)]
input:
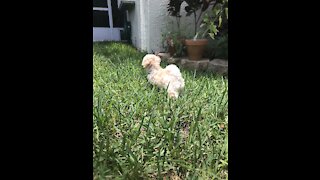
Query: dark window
[(117, 15), (100, 19), (100, 3)]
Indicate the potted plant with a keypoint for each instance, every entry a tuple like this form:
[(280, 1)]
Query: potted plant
[(214, 21), (196, 45)]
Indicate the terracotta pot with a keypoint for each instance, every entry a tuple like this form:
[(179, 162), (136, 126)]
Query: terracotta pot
[(195, 48)]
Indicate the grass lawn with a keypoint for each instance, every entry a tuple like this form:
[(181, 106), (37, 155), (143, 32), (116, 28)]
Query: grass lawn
[(139, 133)]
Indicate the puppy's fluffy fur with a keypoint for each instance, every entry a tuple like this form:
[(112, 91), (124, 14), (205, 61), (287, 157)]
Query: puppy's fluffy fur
[(169, 77)]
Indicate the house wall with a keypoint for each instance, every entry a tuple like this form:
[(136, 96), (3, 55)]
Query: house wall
[(149, 19), (134, 18), (138, 20), (160, 22), (157, 20)]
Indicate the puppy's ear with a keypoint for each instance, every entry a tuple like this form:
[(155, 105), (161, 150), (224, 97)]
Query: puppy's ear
[(145, 63)]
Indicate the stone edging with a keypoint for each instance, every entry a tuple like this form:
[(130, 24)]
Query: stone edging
[(218, 66)]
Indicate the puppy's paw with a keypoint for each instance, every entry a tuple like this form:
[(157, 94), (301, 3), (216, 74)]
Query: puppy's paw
[(173, 95)]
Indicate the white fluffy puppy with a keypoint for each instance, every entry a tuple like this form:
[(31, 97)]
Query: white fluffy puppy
[(169, 77)]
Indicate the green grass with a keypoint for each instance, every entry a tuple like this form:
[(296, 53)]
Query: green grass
[(139, 133)]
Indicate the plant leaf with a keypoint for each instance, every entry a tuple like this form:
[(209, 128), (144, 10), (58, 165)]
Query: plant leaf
[(226, 11), (211, 35), (213, 28)]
